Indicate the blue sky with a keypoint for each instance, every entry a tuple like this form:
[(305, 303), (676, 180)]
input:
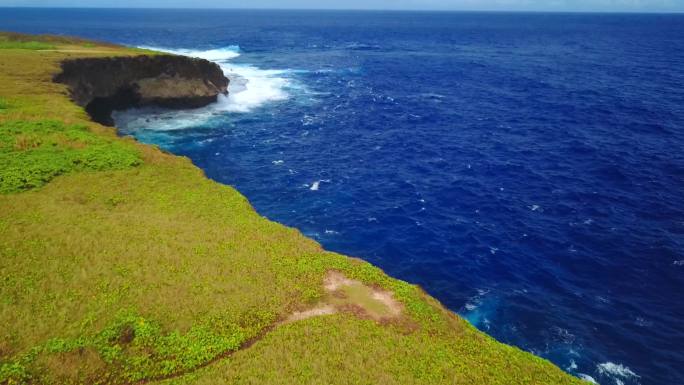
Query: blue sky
[(515, 5)]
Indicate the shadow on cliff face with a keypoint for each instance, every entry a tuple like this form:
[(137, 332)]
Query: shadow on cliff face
[(103, 85), (100, 108)]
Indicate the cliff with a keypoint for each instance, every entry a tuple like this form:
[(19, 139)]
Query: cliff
[(122, 264), (102, 85)]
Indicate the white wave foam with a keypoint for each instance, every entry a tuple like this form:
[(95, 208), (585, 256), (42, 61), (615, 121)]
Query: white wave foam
[(218, 54), (616, 372), (615, 369), (252, 87), (587, 377), (155, 119)]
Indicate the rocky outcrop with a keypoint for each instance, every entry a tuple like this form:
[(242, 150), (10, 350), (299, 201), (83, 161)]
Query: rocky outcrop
[(103, 85)]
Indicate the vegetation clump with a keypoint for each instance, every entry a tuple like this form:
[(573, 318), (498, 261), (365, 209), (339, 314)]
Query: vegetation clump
[(34, 152), (138, 348), (30, 45)]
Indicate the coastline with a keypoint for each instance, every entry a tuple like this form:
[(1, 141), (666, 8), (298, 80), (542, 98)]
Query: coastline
[(200, 240)]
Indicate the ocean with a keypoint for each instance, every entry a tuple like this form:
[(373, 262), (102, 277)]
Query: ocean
[(526, 169)]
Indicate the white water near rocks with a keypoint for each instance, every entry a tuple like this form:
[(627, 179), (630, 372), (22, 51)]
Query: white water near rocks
[(250, 88)]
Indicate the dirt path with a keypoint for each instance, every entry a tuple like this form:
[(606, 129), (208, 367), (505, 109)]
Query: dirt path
[(342, 295)]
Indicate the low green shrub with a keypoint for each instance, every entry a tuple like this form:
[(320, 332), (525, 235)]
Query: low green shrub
[(31, 45), (136, 349), (32, 153)]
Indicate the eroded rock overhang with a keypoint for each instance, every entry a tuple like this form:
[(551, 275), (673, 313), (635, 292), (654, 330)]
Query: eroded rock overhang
[(102, 85)]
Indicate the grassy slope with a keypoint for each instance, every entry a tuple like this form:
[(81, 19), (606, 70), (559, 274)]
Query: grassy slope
[(146, 270)]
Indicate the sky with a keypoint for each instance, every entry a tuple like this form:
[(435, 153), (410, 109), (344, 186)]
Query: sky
[(492, 5)]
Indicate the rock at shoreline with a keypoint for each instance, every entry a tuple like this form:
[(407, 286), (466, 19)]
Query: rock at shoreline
[(103, 85)]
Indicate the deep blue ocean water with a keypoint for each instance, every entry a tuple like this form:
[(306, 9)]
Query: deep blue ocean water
[(525, 169)]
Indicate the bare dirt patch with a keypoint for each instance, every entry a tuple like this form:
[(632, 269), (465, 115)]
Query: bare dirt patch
[(351, 296), (335, 280), (317, 311)]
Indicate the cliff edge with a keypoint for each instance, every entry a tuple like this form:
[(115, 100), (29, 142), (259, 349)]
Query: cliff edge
[(102, 85), (122, 264)]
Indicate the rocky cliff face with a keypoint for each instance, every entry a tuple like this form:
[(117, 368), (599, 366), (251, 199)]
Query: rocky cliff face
[(103, 85)]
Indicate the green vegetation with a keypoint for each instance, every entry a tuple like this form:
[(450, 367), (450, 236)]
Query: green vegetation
[(34, 45), (338, 349), (136, 346), (32, 153), (17, 41), (120, 264), (54, 41)]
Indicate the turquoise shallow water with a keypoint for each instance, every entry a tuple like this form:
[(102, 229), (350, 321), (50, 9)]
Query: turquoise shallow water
[(526, 169)]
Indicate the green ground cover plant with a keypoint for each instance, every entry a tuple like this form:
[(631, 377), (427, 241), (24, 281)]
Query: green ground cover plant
[(32, 45), (32, 153)]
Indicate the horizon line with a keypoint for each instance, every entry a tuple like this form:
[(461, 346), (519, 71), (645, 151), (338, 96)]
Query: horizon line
[(539, 11)]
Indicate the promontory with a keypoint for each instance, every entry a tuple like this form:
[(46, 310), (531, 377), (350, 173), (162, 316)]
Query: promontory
[(102, 85)]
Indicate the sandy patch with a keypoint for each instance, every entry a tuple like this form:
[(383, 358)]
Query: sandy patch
[(317, 311), (351, 296), (387, 298), (334, 280)]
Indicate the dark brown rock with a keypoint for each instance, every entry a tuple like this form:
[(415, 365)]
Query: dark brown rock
[(103, 85)]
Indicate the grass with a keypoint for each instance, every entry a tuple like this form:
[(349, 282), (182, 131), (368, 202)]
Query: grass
[(122, 264), (344, 350)]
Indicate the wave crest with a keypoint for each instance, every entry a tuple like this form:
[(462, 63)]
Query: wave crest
[(216, 54)]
